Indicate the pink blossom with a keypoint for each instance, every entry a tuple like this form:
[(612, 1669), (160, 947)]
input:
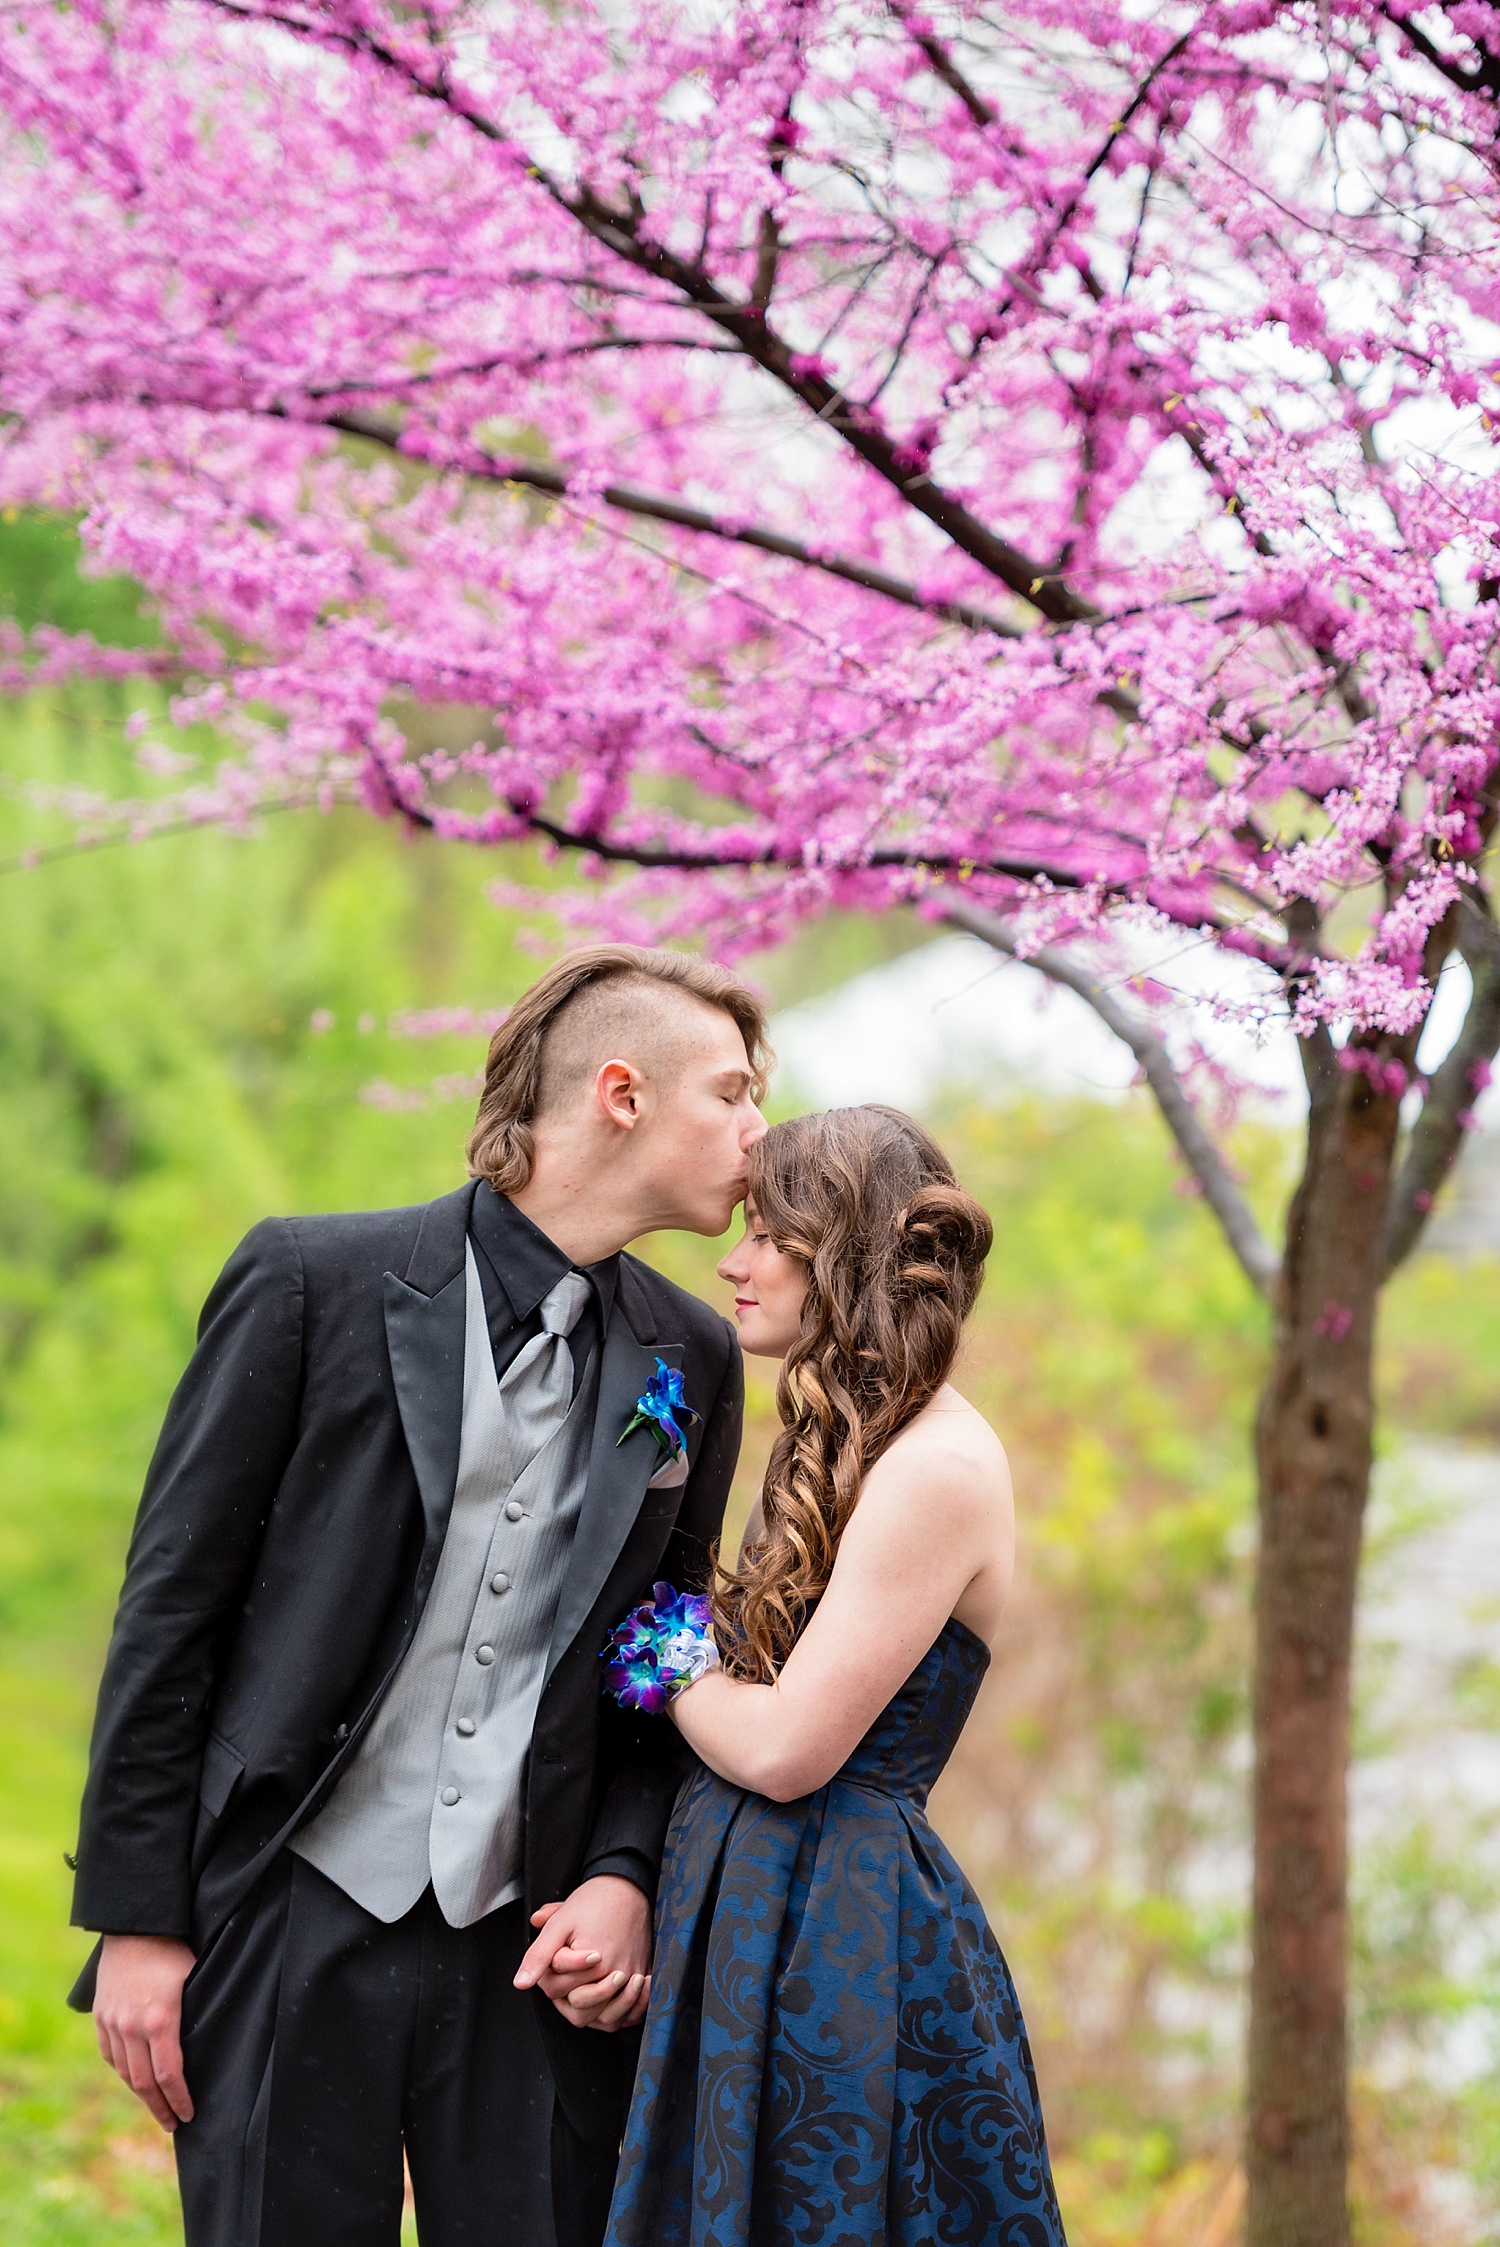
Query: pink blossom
[(794, 455), (1389, 1076)]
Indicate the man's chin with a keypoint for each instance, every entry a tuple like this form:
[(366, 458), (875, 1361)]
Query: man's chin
[(711, 1222)]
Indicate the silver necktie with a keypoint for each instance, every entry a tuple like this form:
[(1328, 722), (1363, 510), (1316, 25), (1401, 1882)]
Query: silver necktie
[(537, 1387)]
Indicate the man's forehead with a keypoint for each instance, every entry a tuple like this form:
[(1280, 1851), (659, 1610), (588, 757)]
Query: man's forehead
[(716, 1040), (701, 1043)]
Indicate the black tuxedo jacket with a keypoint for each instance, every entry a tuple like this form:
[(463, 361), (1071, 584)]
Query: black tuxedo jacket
[(286, 1541)]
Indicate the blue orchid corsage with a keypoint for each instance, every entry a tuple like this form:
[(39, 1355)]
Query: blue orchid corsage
[(660, 1407), (660, 1649)]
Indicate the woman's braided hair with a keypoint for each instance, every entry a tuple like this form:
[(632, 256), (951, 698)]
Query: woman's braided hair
[(894, 1250)]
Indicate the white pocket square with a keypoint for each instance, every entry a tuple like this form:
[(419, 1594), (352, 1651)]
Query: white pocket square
[(671, 1472)]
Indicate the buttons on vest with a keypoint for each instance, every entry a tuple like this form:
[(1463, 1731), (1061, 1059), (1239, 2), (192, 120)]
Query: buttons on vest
[(381, 1836)]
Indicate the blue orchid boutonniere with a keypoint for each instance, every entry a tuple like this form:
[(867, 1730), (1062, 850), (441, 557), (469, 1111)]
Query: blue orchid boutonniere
[(661, 1406)]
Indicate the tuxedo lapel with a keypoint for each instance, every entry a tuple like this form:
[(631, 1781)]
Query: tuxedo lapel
[(424, 1331), (617, 1474)]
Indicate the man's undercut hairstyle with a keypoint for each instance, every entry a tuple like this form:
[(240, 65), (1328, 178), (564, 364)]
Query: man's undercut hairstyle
[(596, 1006)]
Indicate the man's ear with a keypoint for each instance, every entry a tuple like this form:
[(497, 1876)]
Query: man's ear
[(618, 1089)]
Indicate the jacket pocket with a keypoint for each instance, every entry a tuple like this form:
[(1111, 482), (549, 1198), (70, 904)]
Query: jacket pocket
[(222, 1767)]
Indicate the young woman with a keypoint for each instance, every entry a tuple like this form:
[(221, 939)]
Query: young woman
[(834, 2054)]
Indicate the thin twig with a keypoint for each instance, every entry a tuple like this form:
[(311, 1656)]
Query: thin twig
[(658, 507), (1438, 1135), (1257, 1259)]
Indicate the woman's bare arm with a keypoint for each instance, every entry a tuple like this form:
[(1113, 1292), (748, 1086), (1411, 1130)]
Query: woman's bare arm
[(933, 1523)]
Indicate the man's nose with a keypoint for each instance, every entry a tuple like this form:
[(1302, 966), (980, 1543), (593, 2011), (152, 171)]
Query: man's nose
[(756, 1127)]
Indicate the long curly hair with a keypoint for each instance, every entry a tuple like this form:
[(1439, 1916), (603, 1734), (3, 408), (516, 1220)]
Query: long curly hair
[(894, 1250)]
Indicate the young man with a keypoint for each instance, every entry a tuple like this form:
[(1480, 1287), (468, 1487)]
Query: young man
[(351, 1747)]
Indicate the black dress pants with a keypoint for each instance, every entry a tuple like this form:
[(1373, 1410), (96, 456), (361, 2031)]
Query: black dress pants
[(317, 2042)]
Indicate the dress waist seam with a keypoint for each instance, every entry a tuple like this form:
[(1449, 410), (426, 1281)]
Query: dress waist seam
[(909, 1795)]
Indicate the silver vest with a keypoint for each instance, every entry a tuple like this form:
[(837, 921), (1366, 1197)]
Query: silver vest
[(435, 1790)]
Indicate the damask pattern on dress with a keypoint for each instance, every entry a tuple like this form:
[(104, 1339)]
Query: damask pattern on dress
[(835, 2056)]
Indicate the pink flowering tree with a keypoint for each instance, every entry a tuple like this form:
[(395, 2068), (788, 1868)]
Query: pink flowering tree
[(1032, 466)]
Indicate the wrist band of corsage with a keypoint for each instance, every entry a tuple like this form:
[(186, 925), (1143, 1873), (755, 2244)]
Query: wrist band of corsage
[(661, 1648)]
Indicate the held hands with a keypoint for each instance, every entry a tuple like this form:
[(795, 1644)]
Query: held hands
[(138, 2019), (593, 1955)]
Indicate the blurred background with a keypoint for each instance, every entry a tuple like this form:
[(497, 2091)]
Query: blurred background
[(205, 1027)]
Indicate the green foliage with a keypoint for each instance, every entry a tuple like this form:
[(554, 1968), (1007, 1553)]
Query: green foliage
[(42, 582), (1440, 1346)]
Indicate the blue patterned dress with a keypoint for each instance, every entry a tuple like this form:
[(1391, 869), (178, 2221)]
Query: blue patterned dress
[(834, 2055)]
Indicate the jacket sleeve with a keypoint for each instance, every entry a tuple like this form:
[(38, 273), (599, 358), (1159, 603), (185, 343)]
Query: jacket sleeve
[(229, 1432), (645, 1758)]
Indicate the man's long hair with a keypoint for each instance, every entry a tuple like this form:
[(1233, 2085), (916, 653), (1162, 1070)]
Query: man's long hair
[(501, 1147)]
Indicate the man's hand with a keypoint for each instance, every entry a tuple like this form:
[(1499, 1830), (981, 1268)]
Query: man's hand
[(593, 1955), (138, 2019)]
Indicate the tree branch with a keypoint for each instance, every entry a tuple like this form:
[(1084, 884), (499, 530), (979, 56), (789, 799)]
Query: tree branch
[(621, 230), (1482, 76), (1439, 1132), (1257, 1258), (860, 430), (1063, 219), (657, 507), (767, 258), (941, 62), (49, 854), (612, 851)]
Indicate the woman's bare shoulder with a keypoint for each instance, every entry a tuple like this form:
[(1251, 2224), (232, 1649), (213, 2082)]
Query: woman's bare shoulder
[(950, 1453), (934, 1521), (949, 1426)]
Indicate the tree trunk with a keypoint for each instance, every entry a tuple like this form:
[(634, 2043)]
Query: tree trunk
[(1314, 1443)]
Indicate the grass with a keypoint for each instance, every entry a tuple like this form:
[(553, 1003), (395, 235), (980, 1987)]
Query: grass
[(80, 2160)]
